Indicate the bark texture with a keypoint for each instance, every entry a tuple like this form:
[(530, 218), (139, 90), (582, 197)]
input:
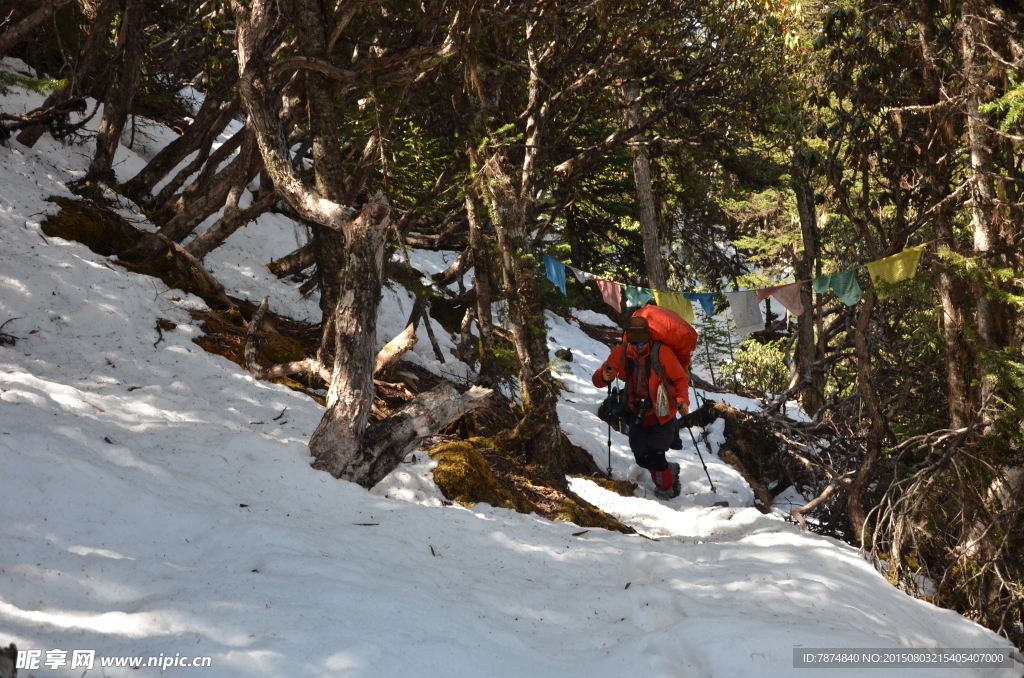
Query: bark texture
[(956, 315), (644, 191), (983, 194), (124, 80), (812, 398), (219, 107), (482, 284), (539, 428), (336, 443), (233, 219), (876, 433), (389, 356)]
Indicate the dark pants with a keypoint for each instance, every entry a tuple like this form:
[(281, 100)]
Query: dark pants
[(649, 444)]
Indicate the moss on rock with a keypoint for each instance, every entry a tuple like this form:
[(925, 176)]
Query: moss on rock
[(101, 230), (277, 349), (483, 470), (620, 487), (463, 475)]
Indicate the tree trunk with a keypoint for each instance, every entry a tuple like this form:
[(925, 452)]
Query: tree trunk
[(168, 201), (644, 191), (356, 245), (14, 34), (956, 316), (336, 443), (482, 284), (812, 398), (539, 428), (323, 123), (572, 232), (205, 197), (983, 197), (233, 219), (387, 358), (219, 107), (98, 32), (876, 433), (124, 81)]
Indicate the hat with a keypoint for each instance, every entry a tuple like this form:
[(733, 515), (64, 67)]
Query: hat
[(637, 330)]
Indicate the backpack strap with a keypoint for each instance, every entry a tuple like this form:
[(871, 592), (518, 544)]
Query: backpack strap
[(656, 364)]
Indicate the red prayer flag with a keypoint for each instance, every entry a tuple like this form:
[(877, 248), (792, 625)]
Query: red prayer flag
[(787, 295), (611, 292)]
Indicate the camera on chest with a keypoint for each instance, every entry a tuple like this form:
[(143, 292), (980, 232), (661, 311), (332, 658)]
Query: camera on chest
[(643, 406)]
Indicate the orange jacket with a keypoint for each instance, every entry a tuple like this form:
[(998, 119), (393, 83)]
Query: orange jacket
[(676, 374)]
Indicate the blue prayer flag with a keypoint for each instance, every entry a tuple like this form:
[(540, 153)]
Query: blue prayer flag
[(706, 300), (556, 272)]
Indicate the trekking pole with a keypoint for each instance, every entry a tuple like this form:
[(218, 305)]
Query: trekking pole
[(707, 354), (609, 434), (703, 428), (701, 457)]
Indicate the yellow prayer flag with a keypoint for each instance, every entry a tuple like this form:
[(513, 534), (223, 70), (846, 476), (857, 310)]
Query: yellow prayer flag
[(675, 301), (902, 266)]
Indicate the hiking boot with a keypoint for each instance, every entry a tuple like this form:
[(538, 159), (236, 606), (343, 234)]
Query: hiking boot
[(667, 482)]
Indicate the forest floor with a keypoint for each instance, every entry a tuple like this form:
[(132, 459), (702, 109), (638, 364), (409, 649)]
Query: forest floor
[(159, 501)]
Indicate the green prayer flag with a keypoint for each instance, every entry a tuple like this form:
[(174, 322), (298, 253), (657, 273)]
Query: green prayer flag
[(638, 296), (844, 284)]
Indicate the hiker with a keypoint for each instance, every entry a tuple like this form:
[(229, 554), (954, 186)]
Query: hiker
[(652, 402)]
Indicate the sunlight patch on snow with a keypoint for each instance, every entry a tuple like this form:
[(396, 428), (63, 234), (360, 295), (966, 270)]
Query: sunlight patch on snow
[(89, 550), (133, 625)]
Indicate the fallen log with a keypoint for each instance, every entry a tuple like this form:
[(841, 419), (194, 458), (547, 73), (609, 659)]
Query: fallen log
[(386, 443)]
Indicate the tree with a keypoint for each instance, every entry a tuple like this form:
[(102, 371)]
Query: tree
[(126, 73), (351, 244)]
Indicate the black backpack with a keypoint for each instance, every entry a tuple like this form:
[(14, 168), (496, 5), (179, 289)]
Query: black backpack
[(615, 410)]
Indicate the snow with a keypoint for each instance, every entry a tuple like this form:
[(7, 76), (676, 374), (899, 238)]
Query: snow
[(192, 98), (593, 318), (159, 500)]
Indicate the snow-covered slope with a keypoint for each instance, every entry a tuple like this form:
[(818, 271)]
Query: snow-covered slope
[(157, 500)]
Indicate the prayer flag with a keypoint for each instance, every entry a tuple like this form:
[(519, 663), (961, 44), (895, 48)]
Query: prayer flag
[(638, 296), (787, 295), (746, 312), (675, 301), (611, 292), (902, 266), (582, 276), (843, 284), (556, 272), (705, 299)]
